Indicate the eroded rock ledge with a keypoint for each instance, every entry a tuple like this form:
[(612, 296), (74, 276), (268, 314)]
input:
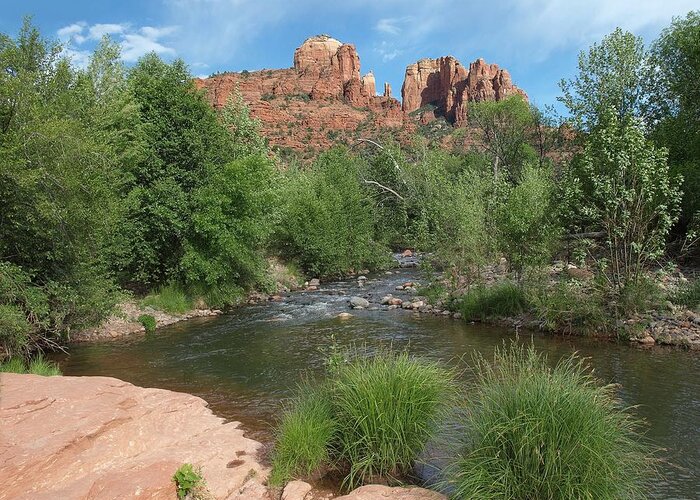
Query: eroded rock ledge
[(101, 438)]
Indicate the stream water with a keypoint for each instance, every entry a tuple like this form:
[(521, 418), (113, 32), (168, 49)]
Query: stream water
[(244, 364)]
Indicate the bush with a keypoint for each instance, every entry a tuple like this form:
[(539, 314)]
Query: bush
[(571, 307), (327, 221), (498, 300), (188, 481), (303, 437), (148, 322), (536, 432), (14, 330), (374, 415), (170, 298), (387, 408), (688, 295)]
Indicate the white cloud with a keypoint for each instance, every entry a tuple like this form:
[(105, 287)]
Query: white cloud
[(390, 26), (97, 31), (136, 45), (135, 42)]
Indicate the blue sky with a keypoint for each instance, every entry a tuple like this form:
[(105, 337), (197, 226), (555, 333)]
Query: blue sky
[(537, 41)]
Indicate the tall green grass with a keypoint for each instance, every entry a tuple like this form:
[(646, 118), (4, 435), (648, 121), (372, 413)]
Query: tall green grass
[(304, 437), (535, 432), (499, 300), (387, 408), (688, 295), (37, 366), (170, 298), (370, 419)]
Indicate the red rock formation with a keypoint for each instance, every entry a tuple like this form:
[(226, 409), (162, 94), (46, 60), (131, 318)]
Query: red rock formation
[(323, 99), (320, 100), (445, 87)]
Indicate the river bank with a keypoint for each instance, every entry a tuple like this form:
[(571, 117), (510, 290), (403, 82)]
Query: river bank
[(100, 437)]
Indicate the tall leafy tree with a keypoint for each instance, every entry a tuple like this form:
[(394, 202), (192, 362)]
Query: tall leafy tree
[(182, 139), (610, 76)]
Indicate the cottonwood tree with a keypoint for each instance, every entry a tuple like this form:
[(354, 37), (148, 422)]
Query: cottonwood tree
[(505, 126), (610, 76), (629, 193)]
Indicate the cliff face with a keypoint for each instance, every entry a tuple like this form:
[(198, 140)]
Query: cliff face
[(443, 87), (320, 100), (323, 98)]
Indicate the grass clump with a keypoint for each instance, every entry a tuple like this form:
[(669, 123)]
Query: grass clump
[(536, 432), (370, 419), (688, 295), (571, 307), (386, 408), (304, 437), (148, 322), (499, 300), (170, 299), (37, 366), (189, 481)]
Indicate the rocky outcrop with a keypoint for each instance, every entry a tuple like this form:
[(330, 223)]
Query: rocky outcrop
[(99, 437), (443, 87), (320, 101), (323, 99)]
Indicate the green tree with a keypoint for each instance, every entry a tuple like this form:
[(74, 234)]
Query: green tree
[(528, 230), (609, 76), (673, 115), (58, 183), (629, 194), (505, 126), (182, 139)]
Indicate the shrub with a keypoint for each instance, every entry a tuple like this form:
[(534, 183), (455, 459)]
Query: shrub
[(188, 481), (327, 221), (148, 322), (386, 408), (536, 432), (303, 438), (370, 419), (14, 330), (527, 229), (499, 300), (688, 295), (170, 298), (572, 307)]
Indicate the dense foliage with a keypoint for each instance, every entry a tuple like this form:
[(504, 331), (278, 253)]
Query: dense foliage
[(123, 181)]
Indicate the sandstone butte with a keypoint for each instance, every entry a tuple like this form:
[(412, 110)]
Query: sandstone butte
[(324, 99), (101, 438)]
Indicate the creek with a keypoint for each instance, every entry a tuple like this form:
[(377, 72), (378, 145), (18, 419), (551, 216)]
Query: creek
[(246, 363)]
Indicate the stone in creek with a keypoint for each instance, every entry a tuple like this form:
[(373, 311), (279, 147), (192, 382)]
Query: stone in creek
[(315, 282), (296, 490), (407, 253), (358, 302), (376, 492), (362, 278), (399, 287), (344, 316), (386, 300), (417, 304), (457, 315), (99, 437), (395, 301), (648, 340)]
